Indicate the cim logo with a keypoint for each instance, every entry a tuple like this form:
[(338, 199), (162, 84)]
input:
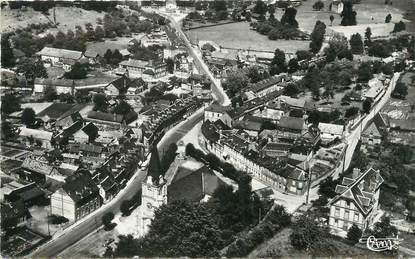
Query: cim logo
[(381, 244)]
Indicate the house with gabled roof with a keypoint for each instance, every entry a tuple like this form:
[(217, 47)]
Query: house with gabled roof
[(371, 136), (86, 134), (78, 197), (60, 57), (329, 131), (216, 111), (92, 56), (357, 201)]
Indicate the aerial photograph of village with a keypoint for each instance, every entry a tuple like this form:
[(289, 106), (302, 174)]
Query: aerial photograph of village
[(207, 129)]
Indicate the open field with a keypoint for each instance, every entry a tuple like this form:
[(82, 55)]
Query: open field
[(66, 17), (280, 246), (366, 10), (240, 36)]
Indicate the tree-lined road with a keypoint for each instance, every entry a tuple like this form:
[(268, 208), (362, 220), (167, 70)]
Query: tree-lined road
[(217, 90)]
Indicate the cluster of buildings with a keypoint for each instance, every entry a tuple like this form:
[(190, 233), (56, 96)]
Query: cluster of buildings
[(270, 138), (186, 179)]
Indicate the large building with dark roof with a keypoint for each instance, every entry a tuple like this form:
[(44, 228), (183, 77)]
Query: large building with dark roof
[(357, 201), (78, 197)]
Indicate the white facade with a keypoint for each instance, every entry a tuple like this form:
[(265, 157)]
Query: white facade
[(63, 205), (152, 198)]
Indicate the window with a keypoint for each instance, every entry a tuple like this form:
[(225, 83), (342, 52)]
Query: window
[(356, 216), (337, 213), (347, 204), (346, 215)]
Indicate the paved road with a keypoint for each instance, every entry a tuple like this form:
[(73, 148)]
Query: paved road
[(217, 90), (352, 137), (178, 131), (76, 232)]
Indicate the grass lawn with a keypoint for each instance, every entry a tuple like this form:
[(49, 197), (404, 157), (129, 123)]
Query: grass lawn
[(280, 246), (102, 46), (367, 9), (66, 17), (240, 35)]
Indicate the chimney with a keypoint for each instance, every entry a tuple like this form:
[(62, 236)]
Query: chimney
[(356, 173)]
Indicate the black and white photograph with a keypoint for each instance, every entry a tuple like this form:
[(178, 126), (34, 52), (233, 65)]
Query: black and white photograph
[(207, 129)]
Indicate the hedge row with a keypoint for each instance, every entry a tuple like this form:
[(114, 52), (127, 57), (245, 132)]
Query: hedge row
[(276, 219)]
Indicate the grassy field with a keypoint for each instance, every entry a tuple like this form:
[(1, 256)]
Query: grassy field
[(66, 17), (280, 246), (240, 35), (367, 9)]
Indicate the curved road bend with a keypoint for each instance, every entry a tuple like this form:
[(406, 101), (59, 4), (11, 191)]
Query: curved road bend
[(76, 232)]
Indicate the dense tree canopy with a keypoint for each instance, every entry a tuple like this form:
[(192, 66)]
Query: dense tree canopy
[(9, 103), (400, 91), (348, 14), (317, 37), (100, 102), (28, 117), (288, 18), (78, 71), (356, 44)]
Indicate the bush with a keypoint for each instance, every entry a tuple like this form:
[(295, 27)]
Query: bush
[(274, 221), (107, 219), (125, 208), (57, 219), (354, 234)]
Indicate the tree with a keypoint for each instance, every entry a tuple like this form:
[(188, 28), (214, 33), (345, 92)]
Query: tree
[(108, 56), (78, 71), (170, 65), (235, 82), (388, 18), (400, 91), (400, 26), (317, 37), (368, 36), (6, 130), (306, 232), (260, 7), (404, 154), (288, 18), (278, 64), (7, 56), (100, 103), (99, 33), (351, 112), (293, 65), (348, 14), (364, 72), (331, 19), (50, 93), (9, 103), (318, 5), (123, 108), (107, 219), (255, 75), (219, 5), (116, 57), (28, 117), (154, 166), (367, 105), (32, 69), (196, 233), (125, 208), (327, 187), (354, 234), (384, 228), (356, 44)]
